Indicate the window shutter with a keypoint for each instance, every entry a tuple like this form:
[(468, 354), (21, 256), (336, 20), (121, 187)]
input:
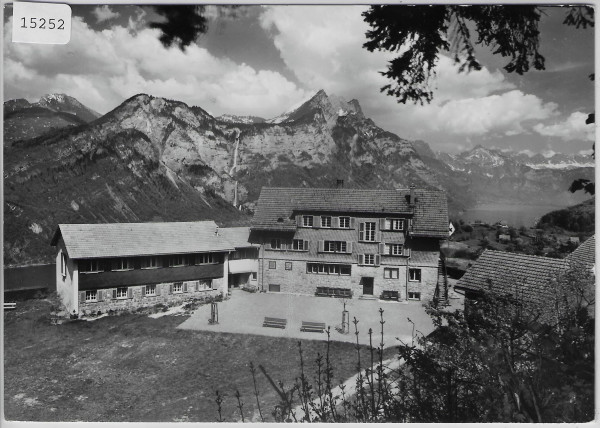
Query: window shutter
[(298, 220), (170, 288), (382, 248), (129, 293), (361, 231), (321, 246), (335, 222), (114, 293), (82, 297), (143, 290), (305, 246), (361, 259), (157, 289), (377, 259), (99, 295), (406, 251), (349, 247), (316, 221), (382, 222), (185, 287), (352, 223)]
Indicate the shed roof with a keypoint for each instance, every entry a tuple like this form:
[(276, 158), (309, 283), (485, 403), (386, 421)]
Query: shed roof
[(276, 206), (584, 254), (521, 275), (139, 239), (237, 236)]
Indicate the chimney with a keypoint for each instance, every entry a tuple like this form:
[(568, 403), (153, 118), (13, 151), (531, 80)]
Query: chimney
[(339, 183), (411, 200), (217, 231)]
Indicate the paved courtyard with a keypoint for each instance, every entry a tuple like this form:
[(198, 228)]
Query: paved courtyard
[(244, 313)]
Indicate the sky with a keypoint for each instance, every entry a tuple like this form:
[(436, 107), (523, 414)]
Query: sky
[(261, 60)]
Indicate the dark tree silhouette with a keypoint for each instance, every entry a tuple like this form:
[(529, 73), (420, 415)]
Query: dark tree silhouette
[(181, 24)]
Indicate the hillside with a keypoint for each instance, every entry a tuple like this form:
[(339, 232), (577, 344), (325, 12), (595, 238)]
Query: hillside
[(578, 218), (24, 120)]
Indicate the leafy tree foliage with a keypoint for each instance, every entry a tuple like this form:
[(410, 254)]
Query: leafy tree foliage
[(181, 25), (420, 34)]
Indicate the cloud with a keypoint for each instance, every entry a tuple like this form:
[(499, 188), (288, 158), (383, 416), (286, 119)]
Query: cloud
[(103, 68), (104, 13), (572, 128), (323, 47)]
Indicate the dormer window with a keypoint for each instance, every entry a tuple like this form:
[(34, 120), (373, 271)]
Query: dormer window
[(307, 221), (394, 224), (325, 221)]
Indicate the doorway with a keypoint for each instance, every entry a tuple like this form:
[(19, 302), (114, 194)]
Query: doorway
[(367, 283)]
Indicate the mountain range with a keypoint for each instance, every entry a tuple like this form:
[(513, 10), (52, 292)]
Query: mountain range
[(154, 159)]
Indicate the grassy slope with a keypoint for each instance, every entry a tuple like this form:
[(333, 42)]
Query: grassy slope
[(134, 368)]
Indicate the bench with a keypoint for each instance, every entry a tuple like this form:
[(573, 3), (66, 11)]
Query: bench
[(274, 322), (390, 295), (333, 292), (317, 327), (10, 306)]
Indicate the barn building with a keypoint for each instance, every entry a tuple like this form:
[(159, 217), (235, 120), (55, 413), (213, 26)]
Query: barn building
[(127, 265)]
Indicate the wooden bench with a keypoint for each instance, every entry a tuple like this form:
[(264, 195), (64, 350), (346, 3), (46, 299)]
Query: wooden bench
[(317, 327), (274, 322), (390, 295), (10, 306)]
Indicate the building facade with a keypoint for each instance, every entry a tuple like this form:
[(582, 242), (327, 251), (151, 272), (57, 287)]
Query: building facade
[(349, 242), (101, 267), (243, 261)]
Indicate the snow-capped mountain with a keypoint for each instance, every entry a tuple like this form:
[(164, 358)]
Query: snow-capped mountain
[(245, 120)]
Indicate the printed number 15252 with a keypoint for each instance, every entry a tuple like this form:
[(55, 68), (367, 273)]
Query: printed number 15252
[(43, 23)]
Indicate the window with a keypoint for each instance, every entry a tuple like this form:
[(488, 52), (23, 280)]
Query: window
[(177, 260), (369, 259), (122, 264), (391, 273), (202, 285), (394, 224), (202, 259), (150, 290), (393, 249), (63, 264), (325, 221), (276, 244), (89, 266), (345, 222), (328, 269), (300, 245), (150, 263), (334, 246), (91, 296), (288, 265), (272, 264), (307, 221), (178, 287), (121, 293), (367, 231), (412, 295), (414, 274), (254, 276)]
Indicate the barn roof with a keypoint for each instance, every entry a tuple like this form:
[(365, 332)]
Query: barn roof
[(520, 275), (276, 207), (139, 239)]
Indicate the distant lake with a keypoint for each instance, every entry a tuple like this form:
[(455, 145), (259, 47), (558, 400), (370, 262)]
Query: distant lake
[(514, 215)]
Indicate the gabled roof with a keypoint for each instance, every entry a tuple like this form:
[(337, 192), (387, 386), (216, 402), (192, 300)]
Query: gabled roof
[(584, 254), (276, 207), (237, 236), (520, 275), (139, 239)]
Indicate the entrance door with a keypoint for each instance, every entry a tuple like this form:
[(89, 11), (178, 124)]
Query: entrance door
[(367, 283)]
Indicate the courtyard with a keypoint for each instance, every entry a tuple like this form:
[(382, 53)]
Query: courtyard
[(244, 312)]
